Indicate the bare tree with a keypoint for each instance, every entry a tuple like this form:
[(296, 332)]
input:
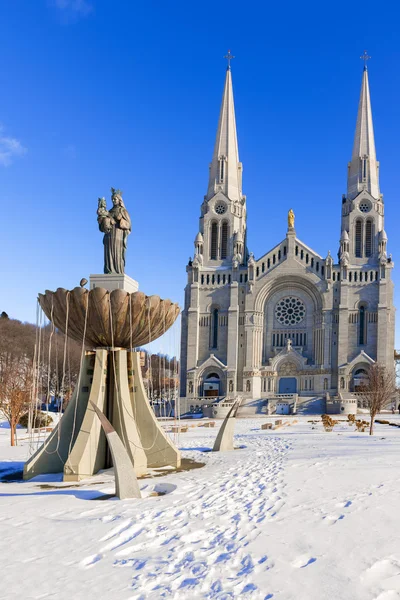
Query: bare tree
[(377, 391), (15, 391), (17, 341), (25, 348)]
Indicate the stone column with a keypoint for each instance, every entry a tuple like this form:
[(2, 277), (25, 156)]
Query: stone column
[(193, 328), (233, 334), (343, 329)]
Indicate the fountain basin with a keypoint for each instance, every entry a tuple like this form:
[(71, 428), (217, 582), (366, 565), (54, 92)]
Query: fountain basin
[(114, 319)]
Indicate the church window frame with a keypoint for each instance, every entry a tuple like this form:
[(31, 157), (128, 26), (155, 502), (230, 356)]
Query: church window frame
[(364, 168), (213, 240), (221, 169), (296, 251), (362, 325), (214, 321), (369, 237), (224, 239), (268, 263), (358, 238), (262, 267), (257, 271)]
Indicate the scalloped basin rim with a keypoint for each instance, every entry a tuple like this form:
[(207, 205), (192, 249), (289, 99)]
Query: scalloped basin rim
[(113, 319)]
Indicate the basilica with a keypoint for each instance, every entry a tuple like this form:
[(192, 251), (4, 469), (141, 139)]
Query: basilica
[(290, 321)]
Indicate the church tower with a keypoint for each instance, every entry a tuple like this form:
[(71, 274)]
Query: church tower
[(210, 319), (366, 312), (222, 229), (362, 207)]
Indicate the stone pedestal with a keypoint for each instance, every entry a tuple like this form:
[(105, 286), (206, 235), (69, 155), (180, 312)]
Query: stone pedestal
[(114, 281)]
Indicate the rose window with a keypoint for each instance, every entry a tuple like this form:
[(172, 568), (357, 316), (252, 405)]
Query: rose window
[(290, 311), (364, 207), (220, 209)]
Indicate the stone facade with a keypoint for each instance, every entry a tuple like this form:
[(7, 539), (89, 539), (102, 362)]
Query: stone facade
[(290, 321)]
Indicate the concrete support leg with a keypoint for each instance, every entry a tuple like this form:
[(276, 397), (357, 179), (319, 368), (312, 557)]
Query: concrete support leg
[(126, 483), (224, 440), (53, 453), (123, 416), (88, 452), (159, 449)]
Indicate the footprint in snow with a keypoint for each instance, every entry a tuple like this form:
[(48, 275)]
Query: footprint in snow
[(90, 561), (303, 561), (332, 519), (345, 504)]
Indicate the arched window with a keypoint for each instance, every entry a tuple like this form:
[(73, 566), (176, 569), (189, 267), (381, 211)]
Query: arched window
[(358, 238), (214, 328), (224, 240), (368, 238), (362, 326), (214, 241)]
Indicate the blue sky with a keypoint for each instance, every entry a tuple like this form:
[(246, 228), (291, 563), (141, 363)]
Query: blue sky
[(101, 93)]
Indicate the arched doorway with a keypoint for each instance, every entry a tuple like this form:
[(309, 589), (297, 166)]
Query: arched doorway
[(287, 372), (211, 385), (359, 378)]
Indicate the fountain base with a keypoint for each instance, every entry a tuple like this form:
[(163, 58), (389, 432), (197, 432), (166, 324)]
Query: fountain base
[(112, 381)]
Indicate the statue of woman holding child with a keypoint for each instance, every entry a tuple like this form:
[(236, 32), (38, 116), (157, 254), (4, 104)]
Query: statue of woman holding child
[(116, 226)]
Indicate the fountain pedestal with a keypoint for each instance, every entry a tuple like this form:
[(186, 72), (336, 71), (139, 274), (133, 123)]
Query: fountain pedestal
[(113, 281), (112, 381)]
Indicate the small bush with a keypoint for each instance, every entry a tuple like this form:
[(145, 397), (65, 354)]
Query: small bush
[(40, 420), (328, 422)]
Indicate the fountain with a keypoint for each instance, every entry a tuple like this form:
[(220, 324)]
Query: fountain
[(110, 321)]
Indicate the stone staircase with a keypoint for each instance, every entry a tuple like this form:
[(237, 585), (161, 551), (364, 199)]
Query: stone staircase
[(311, 405)]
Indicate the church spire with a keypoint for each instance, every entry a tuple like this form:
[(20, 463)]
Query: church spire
[(225, 168), (364, 169)]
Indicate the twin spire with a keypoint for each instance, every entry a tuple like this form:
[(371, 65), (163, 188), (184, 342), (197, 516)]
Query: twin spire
[(364, 169), (226, 169)]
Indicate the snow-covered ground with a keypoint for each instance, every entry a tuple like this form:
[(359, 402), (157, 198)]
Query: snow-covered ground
[(296, 513)]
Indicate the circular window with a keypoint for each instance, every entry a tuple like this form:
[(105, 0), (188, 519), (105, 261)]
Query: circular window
[(290, 311), (220, 208), (364, 206)]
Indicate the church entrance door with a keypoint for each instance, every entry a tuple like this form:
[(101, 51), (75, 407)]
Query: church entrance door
[(287, 385)]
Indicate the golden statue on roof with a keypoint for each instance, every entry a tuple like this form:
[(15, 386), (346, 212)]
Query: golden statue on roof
[(290, 219)]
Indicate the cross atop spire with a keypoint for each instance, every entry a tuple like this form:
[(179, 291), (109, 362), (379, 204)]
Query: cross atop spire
[(365, 58), (229, 57)]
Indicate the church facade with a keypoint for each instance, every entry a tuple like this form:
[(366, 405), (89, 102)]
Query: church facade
[(291, 321)]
